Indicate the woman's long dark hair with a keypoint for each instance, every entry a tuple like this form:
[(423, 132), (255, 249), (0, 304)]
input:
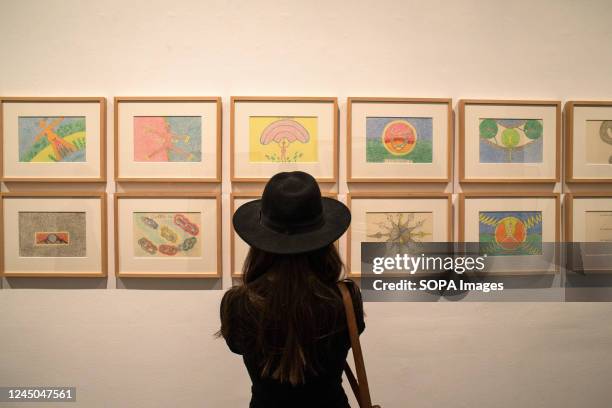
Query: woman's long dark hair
[(285, 306)]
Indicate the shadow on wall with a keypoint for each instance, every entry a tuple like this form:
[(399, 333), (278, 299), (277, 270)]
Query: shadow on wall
[(55, 283), (102, 283), (169, 284)]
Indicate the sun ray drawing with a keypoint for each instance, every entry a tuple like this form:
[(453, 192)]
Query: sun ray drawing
[(52, 139), (399, 140), (400, 230), (510, 232)]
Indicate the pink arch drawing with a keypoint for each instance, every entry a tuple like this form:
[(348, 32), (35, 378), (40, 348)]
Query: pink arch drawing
[(284, 129)]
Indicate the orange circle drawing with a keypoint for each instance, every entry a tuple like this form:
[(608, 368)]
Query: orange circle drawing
[(510, 232), (399, 137)]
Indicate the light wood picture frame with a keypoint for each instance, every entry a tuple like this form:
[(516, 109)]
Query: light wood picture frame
[(531, 221), (588, 231), (570, 198), (168, 139), (509, 141), (394, 140), (59, 234), (273, 134), (588, 141), (239, 248), (53, 139), (433, 207), (168, 223)]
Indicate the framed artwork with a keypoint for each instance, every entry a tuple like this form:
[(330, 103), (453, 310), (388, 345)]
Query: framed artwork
[(53, 139), (588, 141), (588, 221), (399, 219), (399, 140), (509, 141), (168, 139), (273, 134), (238, 248), (517, 232), (167, 235), (60, 234)]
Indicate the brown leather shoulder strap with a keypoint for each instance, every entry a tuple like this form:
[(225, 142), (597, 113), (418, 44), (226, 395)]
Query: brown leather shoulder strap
[(363, 391)]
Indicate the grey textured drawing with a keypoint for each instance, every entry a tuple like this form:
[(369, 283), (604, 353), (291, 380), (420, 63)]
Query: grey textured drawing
[(52, 234), (605, 132)]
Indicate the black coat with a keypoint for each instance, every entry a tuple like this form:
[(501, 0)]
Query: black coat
[(323, 390)]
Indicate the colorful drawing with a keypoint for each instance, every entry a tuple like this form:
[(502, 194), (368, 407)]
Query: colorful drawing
[(511, 140), (52, 139), (599, 141), (283, 139), (52, 238), (52, 234), (162, 234), (167, 138), (399, 230), (399, 139), (510, 232)]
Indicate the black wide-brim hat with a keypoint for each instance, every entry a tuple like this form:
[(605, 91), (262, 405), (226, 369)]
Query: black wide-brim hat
[(291, 217)]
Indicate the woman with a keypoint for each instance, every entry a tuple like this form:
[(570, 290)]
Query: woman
[(287, 318)]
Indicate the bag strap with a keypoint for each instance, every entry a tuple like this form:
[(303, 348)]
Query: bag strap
[(352, 381), (359, 385)]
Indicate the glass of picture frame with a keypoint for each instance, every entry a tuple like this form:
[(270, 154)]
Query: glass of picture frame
[(399, 139), (273, 134), (53, 139), (168, 139), (588, 223), (588, 141), (59, 234), (167, 235), (378, 216), (509, 141), (238, 248), (518, 232)]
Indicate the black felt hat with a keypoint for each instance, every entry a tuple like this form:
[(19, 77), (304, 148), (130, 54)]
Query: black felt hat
[(291, 217)]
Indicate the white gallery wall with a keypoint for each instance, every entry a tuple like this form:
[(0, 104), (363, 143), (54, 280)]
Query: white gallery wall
[(149, 343)]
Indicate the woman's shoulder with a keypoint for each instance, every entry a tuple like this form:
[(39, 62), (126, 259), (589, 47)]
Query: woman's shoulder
[(232, 294), (230, 297), (234, 298), (353, 288)]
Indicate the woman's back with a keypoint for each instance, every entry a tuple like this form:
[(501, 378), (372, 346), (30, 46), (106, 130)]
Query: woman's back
[(321, 385)]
